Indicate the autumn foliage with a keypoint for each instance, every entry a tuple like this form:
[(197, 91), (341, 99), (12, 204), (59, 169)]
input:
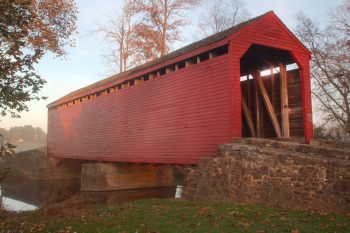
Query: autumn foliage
[(162, 20), (29, 29), (146, 29)]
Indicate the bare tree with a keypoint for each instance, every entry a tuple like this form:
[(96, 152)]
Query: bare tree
[(119, 31), (330, 66), (160, 24), (222, 14), (144, 30)]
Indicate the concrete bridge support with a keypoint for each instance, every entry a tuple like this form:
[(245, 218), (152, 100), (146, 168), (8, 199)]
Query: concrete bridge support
[(105, 176)]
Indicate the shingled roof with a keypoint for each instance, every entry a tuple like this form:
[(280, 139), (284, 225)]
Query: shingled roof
[(201, 43)]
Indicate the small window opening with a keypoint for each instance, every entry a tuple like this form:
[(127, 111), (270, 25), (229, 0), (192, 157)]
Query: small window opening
[(170, 69), (204, 57), (152, 75), (222, 50), (138, 81), (162, 71), (191, 61), (181, 64)]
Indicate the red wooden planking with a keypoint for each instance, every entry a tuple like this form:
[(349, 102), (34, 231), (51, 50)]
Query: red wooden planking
[(269, 31), (176, 118)]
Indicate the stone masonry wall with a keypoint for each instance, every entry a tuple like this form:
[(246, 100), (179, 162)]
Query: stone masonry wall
[(246, 173)]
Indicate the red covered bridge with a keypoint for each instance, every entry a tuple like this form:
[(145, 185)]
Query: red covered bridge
[(251, 80)]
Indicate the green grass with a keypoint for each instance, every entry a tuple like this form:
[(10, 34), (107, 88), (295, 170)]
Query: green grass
[(176, 216)]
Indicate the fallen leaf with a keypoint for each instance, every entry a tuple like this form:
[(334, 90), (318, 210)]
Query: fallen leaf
[(244, 224)]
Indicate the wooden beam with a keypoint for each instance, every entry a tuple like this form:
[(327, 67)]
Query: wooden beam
[(273, 86), (268, 105), (249, 97), (176, 66), (211, 55), (198, 60), (284, 101), (257, 109), (248, 117)]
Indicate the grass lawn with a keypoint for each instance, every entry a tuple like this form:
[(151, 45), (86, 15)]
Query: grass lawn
[(170, 216)]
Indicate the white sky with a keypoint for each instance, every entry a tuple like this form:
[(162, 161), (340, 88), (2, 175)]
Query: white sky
[(84, 63)]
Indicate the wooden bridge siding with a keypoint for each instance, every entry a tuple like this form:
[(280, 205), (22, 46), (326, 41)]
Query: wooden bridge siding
[(269, 31), (175, 118)]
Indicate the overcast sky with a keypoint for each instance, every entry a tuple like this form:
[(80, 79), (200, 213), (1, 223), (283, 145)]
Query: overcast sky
[(84, 63)]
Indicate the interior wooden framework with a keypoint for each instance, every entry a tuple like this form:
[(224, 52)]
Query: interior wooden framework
[(271, 100)]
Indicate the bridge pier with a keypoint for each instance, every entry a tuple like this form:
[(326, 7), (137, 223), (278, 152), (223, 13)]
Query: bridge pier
[(105, 176)]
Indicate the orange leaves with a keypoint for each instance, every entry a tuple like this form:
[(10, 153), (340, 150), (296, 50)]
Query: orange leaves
[(53, 25), (145, 30), (28, 30), (162, 20)]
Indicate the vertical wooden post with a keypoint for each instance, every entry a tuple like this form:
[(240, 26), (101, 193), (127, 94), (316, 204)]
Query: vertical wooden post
[(284, 101), (249, 94), (273, 86), (257, 108), (198, 60), (176, 66), (211, 55)]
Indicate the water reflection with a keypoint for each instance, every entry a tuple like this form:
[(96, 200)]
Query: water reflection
[(127, 195), (30, 195), (14, 205)]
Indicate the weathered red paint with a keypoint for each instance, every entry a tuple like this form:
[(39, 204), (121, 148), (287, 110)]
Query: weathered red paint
[(270, 31), (176, 118)]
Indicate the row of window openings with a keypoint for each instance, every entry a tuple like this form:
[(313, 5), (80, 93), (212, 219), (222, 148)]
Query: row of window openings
[(165, 70)]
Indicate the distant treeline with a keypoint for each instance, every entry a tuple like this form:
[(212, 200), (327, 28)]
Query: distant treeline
[(24, 135)]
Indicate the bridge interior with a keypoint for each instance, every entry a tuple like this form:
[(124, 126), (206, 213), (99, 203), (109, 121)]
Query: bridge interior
[(271, 94)]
